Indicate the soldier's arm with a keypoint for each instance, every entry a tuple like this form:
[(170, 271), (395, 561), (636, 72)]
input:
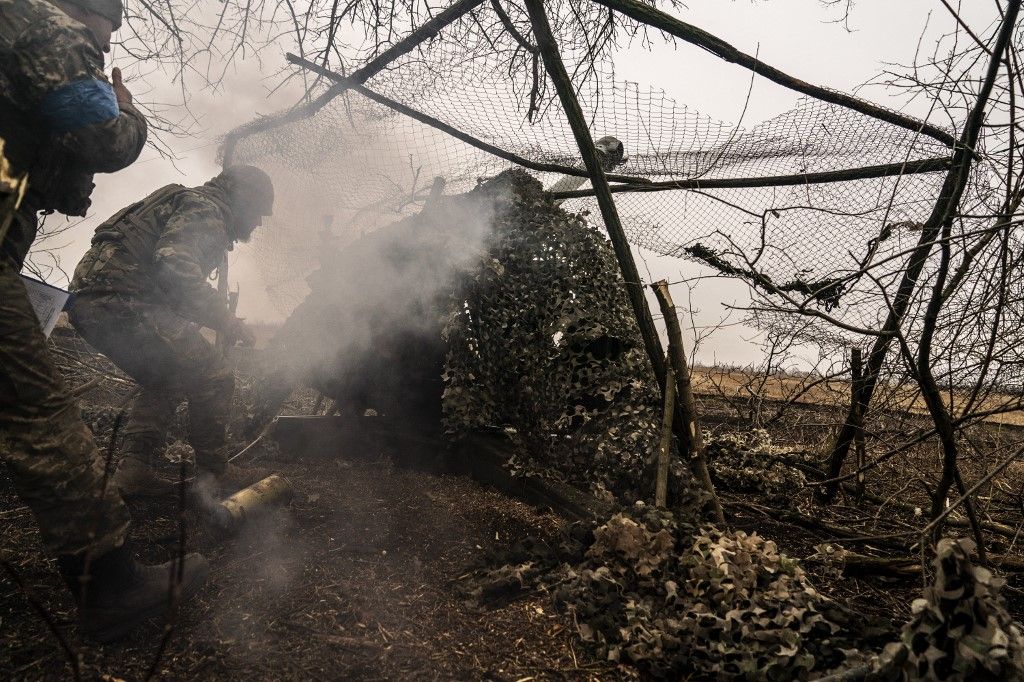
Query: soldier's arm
[(193, 240), (61, 70)]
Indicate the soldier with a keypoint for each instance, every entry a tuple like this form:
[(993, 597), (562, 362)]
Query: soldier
[(141, 296), (61, 121)]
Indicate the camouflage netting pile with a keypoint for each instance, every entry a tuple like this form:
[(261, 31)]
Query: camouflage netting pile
[(673, 598), (747, 462), (961, 629), (678, 600), (542, 339)]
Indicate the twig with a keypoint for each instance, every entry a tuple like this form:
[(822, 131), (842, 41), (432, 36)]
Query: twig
[(47, 618), (246, 448), (977, 486)]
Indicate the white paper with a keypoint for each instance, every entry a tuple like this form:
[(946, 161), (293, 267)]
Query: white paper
[(47, 302)]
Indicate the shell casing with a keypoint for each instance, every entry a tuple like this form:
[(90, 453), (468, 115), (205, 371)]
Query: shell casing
[(273, 491)]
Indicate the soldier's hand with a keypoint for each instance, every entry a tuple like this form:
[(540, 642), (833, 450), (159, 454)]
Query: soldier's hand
[(121, 92), (240, 333)]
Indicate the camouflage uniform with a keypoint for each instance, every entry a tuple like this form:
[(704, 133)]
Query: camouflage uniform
[(141, 296), (61, 122)]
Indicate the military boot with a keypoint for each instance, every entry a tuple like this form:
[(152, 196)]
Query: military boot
[(143, 472), (136, 478), (115, 593), (223, 476), (228, 480)]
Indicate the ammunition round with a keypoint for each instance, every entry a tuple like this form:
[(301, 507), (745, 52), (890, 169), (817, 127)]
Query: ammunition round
[(273, 491)]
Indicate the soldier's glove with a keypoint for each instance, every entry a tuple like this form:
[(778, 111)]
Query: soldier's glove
[(238, 332)]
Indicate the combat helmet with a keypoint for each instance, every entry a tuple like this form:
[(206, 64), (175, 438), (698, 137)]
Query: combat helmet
[(112, 10), (247, 187)]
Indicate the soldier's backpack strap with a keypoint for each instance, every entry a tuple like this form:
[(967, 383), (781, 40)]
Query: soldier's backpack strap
[(135, 234)]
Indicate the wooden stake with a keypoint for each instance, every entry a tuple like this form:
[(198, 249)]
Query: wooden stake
[(691, 441), (661, 485), (857, 409)]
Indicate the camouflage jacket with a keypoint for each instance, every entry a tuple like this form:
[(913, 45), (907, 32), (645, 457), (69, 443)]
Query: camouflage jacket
[(162, 251), (58, 114)]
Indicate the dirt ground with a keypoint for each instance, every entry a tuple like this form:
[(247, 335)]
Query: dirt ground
[(359, 581), (360, 578)]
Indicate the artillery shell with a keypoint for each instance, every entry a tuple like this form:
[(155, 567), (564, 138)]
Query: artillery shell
[(273, 491)]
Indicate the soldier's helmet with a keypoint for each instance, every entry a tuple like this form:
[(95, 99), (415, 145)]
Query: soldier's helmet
[(248, 188), (112, 10)]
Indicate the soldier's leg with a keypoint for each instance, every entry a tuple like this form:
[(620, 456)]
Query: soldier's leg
[(209, 392), (168, 355), (59, 474), (145, 431), (116, 327), (53, 461)]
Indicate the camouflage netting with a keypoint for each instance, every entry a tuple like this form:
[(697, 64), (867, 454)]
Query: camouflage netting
[(747, 462), (364, 164), (675, 599), (679, 600), (961, 629), (561, 363)]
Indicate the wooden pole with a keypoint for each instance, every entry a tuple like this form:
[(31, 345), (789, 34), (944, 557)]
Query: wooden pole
[(862, 173), (634, 287), (578, 122), (661, 484), (857, 409), (691, 440)]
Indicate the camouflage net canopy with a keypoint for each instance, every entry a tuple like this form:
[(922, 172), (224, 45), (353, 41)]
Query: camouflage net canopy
[(355, 165)]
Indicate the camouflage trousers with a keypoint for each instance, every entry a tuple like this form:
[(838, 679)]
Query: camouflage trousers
[(53, 461), (170, 360)]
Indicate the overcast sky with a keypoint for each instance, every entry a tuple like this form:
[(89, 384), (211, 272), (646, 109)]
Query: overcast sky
[(793, 35)]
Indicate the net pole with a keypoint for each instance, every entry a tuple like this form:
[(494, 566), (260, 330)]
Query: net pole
[(821, 177), (578, 122), (648, 14)]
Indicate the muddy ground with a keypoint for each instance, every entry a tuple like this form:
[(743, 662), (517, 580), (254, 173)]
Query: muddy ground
[(361, 578)]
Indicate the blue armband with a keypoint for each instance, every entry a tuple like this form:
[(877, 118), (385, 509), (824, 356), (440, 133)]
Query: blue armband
[(79, 104)]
